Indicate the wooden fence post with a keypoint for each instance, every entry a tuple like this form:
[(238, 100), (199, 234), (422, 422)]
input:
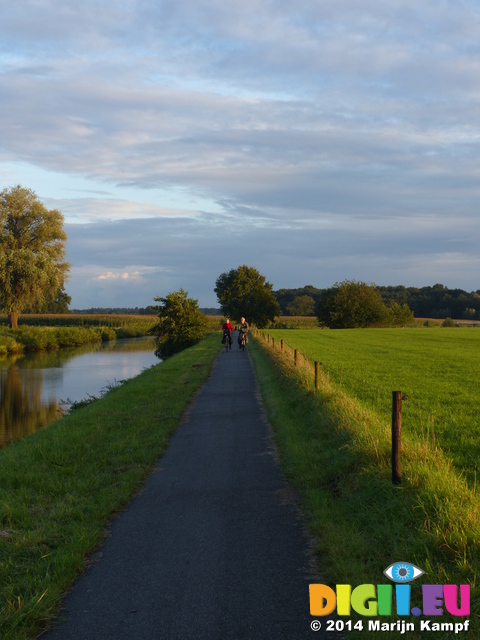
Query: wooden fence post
[(281, 345), (273, 342), (295, 357), (396, 436), (317, 375)]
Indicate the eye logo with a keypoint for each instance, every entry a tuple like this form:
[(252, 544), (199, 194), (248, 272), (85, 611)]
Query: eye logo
[(403, 572)]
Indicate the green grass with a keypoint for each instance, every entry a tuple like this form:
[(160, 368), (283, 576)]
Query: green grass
[(436, 368), (336, 453), (60, 486)]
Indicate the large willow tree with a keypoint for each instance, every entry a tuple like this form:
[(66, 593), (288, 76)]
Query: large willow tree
[(32, 251)]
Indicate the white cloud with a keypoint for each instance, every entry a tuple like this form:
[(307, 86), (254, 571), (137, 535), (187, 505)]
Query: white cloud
[(115, 276)]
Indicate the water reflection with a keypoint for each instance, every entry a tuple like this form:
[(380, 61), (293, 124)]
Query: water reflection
[(32, 386), (22, 408)]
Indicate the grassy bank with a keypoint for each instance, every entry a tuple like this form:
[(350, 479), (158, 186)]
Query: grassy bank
[(59, 487), (337, 454)]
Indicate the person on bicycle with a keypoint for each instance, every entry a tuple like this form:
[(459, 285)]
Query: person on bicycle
[(242, 331), (227, 329)]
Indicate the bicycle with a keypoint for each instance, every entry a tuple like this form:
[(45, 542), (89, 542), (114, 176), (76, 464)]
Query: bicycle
[(227, 339), (243, 340)]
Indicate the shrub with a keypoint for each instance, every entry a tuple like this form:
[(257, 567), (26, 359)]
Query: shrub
[(108, 334), (127, 332), (448, 322), (180, 323), (351, 304)]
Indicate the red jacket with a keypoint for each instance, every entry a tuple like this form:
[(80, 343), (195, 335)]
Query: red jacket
[(227, 326)]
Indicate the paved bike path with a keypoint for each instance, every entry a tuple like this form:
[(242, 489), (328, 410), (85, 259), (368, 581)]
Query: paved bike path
[(213, 548)]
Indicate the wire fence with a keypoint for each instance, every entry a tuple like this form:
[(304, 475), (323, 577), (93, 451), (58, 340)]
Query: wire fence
[(361, 387), (421, 420)]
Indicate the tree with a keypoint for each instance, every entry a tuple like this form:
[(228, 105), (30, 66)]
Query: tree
[(180, 323), (399, 315), (58, 303), (351, 304), (302, 306), (32, 251), (285, 297), (244, 292)]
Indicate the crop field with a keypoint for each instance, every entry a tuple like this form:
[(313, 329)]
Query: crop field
[(140, 322), (436, 368)]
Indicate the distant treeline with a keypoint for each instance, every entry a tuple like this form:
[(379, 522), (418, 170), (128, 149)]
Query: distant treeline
[(134, 311), (426, 302), (211, 311), (137, 311)]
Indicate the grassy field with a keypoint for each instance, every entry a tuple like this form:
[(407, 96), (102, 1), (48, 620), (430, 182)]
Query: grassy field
[(60, 486), (436, 368), (336, 453)]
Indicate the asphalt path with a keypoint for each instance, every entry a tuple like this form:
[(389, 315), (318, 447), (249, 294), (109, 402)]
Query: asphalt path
[(214, 546)]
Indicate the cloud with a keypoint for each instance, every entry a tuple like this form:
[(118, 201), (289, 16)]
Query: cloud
[(116, 276), (315, 140)]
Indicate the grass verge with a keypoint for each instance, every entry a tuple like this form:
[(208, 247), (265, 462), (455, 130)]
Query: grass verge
[(59, 487), (337, 455)]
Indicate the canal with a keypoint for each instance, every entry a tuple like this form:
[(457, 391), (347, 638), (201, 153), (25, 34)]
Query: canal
[(36, 389)]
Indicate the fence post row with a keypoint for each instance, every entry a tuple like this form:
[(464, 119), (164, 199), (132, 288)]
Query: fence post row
[(396, 415), (396, 436)]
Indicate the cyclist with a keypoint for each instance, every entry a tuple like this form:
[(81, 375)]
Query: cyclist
[(242, 331), (227, 329)]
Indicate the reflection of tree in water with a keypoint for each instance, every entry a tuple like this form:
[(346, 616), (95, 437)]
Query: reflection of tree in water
[(22, 409)]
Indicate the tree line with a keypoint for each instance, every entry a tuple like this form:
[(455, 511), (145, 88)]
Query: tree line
[(425, 302)]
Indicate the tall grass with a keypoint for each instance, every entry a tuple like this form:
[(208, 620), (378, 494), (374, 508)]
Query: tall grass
[(8, 345)]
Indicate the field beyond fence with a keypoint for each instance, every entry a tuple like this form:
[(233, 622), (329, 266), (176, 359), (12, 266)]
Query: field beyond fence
[(436, 371)]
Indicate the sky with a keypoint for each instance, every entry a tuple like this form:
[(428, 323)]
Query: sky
[(317, 141)]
